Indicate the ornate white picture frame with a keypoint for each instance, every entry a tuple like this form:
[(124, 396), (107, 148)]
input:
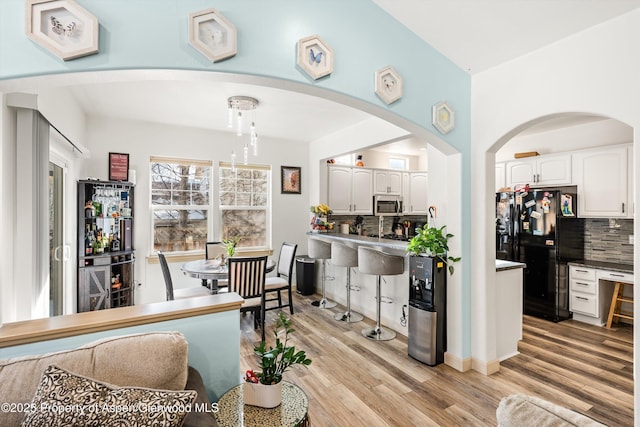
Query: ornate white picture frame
[(213, 35), (388, 85), (315, 57), (63, 27), (443, 117)]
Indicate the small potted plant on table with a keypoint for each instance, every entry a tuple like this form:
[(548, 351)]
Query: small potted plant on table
[(264, 388)]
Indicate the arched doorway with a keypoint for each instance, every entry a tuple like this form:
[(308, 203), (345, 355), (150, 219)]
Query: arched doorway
[(607, 244)]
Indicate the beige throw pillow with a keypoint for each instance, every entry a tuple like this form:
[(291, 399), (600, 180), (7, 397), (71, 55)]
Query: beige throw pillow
[(66, 399)]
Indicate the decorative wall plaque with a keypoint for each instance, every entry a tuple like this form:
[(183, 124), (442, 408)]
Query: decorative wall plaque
[(212, 35), (388, 85), (315, 57), (63, 27), (443, 117)]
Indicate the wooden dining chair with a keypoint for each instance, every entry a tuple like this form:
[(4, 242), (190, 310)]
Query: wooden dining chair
[(247, 277), (178, 293), (282, 282)]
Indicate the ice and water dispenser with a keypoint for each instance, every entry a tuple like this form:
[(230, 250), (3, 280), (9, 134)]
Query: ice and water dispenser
[(427, 309)]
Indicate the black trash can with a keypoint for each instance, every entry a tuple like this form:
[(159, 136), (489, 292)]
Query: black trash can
[(305, 275)]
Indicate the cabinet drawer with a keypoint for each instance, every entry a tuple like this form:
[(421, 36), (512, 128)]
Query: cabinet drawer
[(586, 286), (583, 303), (614, 276), (582, 273)]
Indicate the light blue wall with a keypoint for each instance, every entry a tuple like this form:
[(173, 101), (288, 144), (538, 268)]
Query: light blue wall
[(214, 346), (145, 34)]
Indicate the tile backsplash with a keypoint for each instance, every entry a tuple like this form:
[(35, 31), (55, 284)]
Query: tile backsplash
[(608, 240), (370, 223)]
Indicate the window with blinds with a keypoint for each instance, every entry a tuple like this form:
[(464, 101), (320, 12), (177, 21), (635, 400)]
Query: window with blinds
[(180, 203), (245, 204)]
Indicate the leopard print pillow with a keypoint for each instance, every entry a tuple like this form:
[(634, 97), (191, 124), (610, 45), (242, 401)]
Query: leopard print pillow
[(66, 399)]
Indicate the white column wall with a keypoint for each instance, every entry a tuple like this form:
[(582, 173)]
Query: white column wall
[(595, 71)]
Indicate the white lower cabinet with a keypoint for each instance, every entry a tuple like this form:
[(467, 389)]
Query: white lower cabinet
[(590, 292)]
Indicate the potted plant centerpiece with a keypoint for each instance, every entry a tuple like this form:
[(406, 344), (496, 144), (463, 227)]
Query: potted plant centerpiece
[(230, 245), (432, 241), (264, 388)]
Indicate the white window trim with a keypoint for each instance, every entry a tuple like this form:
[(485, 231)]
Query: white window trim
[(211, 207), (268, 207)]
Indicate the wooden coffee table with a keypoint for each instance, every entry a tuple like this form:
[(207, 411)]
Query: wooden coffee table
[(232, 412)]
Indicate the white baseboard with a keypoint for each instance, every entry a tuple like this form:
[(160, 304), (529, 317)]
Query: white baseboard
[(462, 365), (486, 368)]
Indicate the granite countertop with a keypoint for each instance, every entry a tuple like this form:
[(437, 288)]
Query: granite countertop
[(620, 268), (354, 239), (502, 265)]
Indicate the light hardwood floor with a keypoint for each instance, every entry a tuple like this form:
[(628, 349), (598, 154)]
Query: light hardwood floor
[(356, 382)]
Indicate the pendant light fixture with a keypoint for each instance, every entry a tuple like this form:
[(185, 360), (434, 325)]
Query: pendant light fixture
[(242, 109)]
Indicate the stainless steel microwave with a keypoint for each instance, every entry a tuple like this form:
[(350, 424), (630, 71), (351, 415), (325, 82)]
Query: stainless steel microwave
[(387, 205)]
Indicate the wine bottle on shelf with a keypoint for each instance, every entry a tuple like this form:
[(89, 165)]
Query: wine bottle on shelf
[(98, 247), (88, 244)]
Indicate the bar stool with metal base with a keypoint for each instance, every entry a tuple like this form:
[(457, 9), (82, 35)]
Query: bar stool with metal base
[(345, 256), (322, 251), (372, 261)]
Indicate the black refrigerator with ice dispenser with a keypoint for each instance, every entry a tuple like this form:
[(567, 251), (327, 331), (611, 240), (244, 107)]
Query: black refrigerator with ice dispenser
[(548, 235)]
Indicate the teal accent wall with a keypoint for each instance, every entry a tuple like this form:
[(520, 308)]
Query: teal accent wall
[(214, 350), (152, 34)]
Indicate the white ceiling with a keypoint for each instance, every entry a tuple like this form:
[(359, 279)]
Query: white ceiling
[(480, 34), (475, 34)]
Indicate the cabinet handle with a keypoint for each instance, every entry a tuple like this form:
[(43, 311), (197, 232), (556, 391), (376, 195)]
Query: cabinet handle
[(582, 298), (623, 207), (582, 271), (616, 275), (583, 284)]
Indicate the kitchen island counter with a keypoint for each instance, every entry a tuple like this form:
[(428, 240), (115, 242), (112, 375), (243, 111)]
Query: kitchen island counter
[(356, 240), (395, 289), (509, 307), (502, 265)]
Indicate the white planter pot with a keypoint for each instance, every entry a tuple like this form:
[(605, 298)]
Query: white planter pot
[(262, 395)]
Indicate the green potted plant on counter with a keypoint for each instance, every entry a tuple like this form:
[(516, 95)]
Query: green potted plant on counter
[(432, 241), (264, 388)]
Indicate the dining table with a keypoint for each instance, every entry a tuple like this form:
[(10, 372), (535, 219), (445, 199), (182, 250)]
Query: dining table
[(212, 270)]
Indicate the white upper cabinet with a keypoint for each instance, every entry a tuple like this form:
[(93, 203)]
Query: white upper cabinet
[(387, 182), (418, 201), (362, 194), (553, 169), (350, 190), (340, 183), (501, 180), (406, 192), (602, 177)]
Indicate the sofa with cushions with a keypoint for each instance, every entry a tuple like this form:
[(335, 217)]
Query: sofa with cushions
[(145, 377)]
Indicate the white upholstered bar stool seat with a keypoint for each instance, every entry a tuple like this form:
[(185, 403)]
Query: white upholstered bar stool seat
[(372, 261), (322, 251), (346, 256)]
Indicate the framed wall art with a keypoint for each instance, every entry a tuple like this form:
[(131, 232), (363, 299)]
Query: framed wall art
[(212, 35), (443, 117), (63, 27), (315, 57), (388, 85), (290, 180), (118, 167)]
